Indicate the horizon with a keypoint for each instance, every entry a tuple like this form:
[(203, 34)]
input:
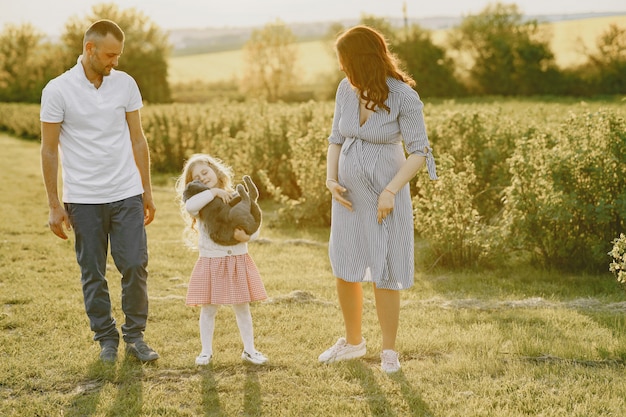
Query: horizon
[(50, 18)]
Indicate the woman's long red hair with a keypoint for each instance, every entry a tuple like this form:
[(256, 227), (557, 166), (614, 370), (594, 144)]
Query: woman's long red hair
[(367, 62)]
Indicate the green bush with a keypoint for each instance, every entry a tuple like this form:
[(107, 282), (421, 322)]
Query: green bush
[(485, 137), (618, 256), (446, 216), (21, 120), (567, 198), (308, 164), (253, 137), (544, 178)]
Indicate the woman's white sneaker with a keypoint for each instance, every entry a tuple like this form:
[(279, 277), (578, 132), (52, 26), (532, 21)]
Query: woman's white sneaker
[(389, 361), (342, 351)]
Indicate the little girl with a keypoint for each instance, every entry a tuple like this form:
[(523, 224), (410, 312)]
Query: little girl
[(222, 274)]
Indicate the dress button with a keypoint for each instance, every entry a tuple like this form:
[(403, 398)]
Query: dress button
[(230, 252)]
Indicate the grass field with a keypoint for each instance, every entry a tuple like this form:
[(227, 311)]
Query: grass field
[(573, 38), (511, 343), (569, 40), (313, 58)]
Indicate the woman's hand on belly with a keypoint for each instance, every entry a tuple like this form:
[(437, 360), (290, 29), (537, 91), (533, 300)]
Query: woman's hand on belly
[(337, 191)]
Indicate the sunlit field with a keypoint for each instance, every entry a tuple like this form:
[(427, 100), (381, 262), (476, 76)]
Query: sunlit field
[(570, 41), (510, 342), (313, 58)]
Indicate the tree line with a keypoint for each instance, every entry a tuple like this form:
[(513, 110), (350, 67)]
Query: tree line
[(28, 60), (495, 52)]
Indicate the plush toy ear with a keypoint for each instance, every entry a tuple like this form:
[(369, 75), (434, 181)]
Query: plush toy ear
[(253, 191), (241, 190)]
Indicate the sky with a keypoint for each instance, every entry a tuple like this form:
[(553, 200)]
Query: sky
[(50, 17)]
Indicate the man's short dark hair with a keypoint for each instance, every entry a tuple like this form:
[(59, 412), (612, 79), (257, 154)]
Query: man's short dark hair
[(102, 28)]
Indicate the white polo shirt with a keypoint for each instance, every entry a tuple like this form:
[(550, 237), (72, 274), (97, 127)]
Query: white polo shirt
[(96, 150)]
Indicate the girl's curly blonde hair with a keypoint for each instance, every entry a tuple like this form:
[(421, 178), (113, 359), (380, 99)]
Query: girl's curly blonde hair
[(224, 175)]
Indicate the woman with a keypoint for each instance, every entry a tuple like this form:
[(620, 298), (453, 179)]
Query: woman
[(368, 174)]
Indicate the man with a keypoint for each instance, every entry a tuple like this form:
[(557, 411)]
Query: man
[(91, 114)]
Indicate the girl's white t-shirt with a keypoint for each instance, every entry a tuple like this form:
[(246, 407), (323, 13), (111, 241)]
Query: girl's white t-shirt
[(96, 151)]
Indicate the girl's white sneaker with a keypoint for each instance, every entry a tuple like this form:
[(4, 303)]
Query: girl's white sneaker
[(256, 358), (203, 360)]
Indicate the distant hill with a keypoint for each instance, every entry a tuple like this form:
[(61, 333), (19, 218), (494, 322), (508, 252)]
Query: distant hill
[(198, 41), (570, 39)]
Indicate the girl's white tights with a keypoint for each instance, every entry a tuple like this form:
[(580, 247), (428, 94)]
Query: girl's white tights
[(207, 326)]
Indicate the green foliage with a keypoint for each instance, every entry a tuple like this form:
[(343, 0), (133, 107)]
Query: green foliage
[(488, 139), (382, 25), (428, 64), (618, 256), (446, 216), (330, 78), (494, 52), (255, 138), (509, 56), (201, 92), (21, 120), (308, 146), (271, 61), (608, 66), (567, 197), (552, 181), (531, 201), (26, 63), (146, 48)]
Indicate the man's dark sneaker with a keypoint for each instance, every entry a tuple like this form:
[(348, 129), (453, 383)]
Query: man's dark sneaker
[(140, 350), (108, 354)]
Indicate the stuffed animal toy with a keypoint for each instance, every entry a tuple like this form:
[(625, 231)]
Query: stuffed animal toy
[(221, 219)]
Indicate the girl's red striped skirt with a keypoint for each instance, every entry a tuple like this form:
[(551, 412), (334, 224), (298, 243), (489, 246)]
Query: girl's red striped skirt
[(225, 280)]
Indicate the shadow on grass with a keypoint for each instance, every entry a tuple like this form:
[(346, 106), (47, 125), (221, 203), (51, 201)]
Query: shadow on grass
[(417, 406), (210, 398), (523, 282), (128, 380), (615, 322), (378, 403), (129, 397), (252, 402), (87, 397)]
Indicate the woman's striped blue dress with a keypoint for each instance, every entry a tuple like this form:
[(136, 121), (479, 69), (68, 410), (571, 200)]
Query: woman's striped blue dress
[(360, 249)]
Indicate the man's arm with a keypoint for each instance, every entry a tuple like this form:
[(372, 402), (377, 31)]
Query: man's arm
[(50, 168), (142, 159)]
